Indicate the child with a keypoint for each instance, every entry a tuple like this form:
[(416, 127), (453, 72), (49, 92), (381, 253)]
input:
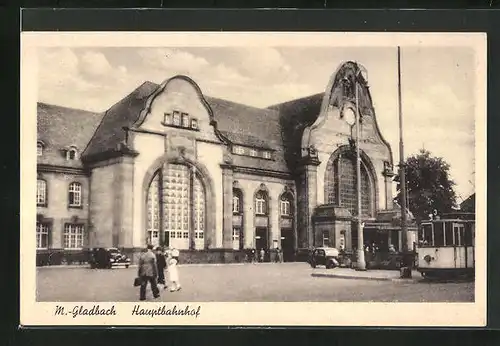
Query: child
[(173, 274)]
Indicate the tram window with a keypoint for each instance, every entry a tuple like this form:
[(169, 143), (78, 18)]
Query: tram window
[(468, 235), (448, 234), (426, 234), (458, 229), (438, 234)]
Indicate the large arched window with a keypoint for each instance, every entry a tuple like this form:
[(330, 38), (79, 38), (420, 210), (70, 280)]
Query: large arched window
[(41, 193), (176, 203), (341, 184), (261, 203), (75, 195)]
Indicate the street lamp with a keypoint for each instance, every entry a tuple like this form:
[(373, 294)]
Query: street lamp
[(353, 118)]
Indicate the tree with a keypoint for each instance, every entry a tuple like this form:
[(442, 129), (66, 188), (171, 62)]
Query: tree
[(428, 184)]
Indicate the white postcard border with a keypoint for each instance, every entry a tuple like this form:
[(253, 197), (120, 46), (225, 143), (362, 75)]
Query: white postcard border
[(320, 314)]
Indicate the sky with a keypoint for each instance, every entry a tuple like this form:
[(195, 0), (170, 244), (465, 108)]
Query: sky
[(437, 86)]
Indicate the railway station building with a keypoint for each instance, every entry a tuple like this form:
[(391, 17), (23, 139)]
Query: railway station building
[(169, 165)]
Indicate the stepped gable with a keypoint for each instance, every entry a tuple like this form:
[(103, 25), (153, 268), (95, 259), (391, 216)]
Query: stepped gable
[(59, 128)]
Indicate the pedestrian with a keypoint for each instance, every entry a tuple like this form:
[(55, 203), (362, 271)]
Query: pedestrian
[(392, 249), (253, 256), (148, 272), (173, 274), (262, 254), (277, 259), (161, 264)]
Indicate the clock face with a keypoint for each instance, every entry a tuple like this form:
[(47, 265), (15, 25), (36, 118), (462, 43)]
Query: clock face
[(349, 116)]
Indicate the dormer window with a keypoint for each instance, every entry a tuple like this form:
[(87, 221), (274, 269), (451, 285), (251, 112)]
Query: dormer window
[(266, 154), (72, 154), (39, 149), (194, 124), (253, 152)]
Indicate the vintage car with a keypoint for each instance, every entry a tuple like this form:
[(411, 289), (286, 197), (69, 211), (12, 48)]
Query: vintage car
[(107, 258), (325, 256)]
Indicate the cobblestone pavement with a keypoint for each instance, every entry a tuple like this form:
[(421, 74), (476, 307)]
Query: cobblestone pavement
[(288, 282)]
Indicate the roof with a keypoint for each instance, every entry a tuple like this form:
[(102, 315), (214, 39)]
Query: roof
[(241, 124), (58, 128), (469, 205), (125, 112), (295, 116)]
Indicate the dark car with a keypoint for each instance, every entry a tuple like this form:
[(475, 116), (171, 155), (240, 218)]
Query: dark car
[(108, 258), (325, 256)]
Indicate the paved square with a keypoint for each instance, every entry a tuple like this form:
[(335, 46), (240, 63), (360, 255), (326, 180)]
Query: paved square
[(286, 282)]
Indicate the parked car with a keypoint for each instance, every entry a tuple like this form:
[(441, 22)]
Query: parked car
[(108, 258), (326, 256)]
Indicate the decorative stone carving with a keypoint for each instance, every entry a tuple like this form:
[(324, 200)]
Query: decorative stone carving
[(388, 170), (227, 158), (312, 152)]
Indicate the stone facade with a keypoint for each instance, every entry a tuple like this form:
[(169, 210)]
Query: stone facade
[(170, 166)]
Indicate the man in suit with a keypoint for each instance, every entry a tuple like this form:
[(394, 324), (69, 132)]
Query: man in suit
[(148, 272), (161, 263)]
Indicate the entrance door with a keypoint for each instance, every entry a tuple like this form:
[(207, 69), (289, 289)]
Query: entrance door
[(287, 245), (261, 241)]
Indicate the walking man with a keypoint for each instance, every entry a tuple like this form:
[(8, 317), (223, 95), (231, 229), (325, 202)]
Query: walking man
[(148, 272)]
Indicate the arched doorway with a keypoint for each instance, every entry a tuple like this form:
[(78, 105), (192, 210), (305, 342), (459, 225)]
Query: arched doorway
[(176, 204)]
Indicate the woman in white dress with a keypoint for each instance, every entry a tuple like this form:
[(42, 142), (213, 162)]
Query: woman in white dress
[(173, 274)]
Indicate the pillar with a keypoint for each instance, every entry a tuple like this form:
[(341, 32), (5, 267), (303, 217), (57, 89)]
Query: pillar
[(227, 200), (125, 186)]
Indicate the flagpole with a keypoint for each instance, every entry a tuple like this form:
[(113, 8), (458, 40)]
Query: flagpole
[(402, 175)]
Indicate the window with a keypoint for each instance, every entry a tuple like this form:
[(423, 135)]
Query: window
[(185, 120), (42, 235), (448, 235), (73, 236), (177, 118), (266, 154), (75, 195), (41, 192), (438, 234), (72, 154), (239, 150), (469, 235), (260, 204), (236, 204), (426, 234), (194, 124), (198, 234), (253, 152), (39, 149), (285, 207), (458, 230), (167, 118)]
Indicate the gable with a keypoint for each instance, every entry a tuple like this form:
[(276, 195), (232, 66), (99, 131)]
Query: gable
[(178, 106)]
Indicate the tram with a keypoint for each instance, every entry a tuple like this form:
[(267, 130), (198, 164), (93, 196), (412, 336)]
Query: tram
[(446, 246)]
